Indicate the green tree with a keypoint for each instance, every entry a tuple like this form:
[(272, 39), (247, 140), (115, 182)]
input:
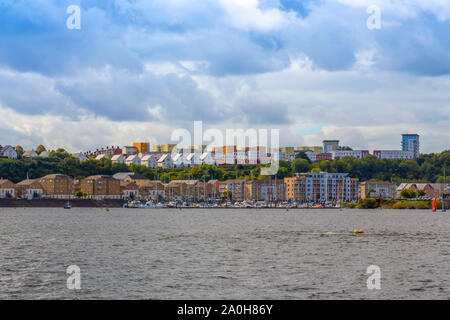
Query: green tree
[(301, 165)]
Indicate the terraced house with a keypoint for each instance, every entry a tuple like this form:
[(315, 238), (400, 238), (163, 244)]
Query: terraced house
[(57, 186), (101, 187)]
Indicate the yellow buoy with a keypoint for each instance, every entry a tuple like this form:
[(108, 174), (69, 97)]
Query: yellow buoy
[(107, 209), (358, 231)]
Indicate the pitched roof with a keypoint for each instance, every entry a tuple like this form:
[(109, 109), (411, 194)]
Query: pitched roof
[(132, 175)]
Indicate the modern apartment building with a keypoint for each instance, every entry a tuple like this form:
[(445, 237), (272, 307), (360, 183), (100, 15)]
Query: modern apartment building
[(330, 145), (394, 154), (410, 142), (323, 186), (295, 188), (142, 147), (236, 186), (264, 190), (358, 154)]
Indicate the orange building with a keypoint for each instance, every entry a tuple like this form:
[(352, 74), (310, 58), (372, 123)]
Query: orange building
[(143, 147), (295, 188)]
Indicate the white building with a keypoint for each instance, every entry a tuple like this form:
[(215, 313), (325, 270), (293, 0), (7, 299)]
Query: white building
[(29, 154), (325, 186), (118, 158), (101, 156), (394, 154), (165, 161), (311, 155), (133, 159), (44, 154), (358, 154), (192, 159), (207, 158), (149, 161), (129, 150), (8, 152), (80, 156), (178, 160)]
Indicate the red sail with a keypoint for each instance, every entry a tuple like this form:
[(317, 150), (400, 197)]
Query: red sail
[(434, 204)]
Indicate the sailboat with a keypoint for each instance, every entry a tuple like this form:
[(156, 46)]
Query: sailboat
[(434, 204)]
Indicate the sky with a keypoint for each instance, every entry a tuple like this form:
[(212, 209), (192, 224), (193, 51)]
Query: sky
[(136, 70)]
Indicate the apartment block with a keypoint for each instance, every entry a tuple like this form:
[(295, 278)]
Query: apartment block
[(323, 186), (57, 186), (295, 188), (101, 187), (142, 147), (264, 190)]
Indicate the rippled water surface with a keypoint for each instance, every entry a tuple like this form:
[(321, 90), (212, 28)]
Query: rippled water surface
[(223, 253)]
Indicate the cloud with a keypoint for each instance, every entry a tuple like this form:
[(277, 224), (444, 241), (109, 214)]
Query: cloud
[(273, 63)]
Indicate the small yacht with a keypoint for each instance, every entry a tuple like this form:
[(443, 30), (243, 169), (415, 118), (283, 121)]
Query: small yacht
[(68, 206)]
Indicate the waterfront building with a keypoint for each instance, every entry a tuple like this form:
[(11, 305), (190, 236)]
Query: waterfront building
[(137, 178), (118, 158), (358, 154), (57, 186), (323, 186), (154, 190), (7, 189), (394, 154), (142, 147), (101, 187), (264, 190), (236, 186), (295, 189), (185, 190), (381, 189), (8, 152), (129, 190), (431, 189), (29, 189), (410, 142), (330, 145), (133, 159)]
